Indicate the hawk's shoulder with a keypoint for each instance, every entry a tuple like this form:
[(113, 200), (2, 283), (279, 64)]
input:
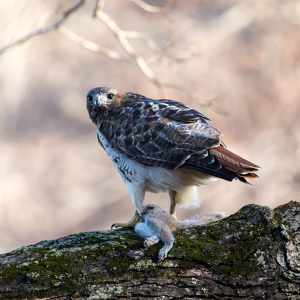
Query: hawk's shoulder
[(139, 106)]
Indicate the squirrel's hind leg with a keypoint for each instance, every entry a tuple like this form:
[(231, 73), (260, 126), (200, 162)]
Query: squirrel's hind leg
[(163, 252)]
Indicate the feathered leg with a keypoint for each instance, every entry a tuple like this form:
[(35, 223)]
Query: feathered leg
[(137, 194), (186, 198), (131, 223), (172, 196)]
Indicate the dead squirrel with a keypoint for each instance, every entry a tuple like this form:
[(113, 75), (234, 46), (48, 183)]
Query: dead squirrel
[(158, 225)]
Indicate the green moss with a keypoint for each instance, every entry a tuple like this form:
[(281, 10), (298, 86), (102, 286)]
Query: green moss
[(54, 268), (186, 265), (117, 265), (152, 252), (176, 252), (224, 269), (278, 218), (9, 274), (230, 272), (228, 246)]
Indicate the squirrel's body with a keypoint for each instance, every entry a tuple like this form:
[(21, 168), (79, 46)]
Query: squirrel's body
[(157, 225)]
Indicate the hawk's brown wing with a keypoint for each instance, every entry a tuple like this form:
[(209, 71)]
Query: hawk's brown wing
[(167, 134), (160, 132)]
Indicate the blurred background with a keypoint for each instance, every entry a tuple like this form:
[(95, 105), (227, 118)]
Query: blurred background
[(238, 62)]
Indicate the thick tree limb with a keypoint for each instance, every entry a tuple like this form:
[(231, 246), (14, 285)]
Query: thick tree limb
[(253, 254)]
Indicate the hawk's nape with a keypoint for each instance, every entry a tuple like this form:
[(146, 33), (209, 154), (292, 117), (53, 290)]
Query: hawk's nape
[(161, 146)]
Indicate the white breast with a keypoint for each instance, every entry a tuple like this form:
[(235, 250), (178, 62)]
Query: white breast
[(130, 170)]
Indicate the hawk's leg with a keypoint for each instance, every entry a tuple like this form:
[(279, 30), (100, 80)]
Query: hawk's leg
[(137, 194), (187, 197), (172, 196), (131, 223)]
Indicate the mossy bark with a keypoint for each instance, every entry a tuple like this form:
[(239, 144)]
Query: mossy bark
[(252, 254)]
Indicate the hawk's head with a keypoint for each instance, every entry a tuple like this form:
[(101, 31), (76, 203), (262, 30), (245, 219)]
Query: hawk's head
[(102, 99)]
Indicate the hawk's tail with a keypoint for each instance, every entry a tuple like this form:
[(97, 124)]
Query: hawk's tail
[(241, 167)]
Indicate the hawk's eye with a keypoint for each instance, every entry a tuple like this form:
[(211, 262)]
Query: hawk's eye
[(110, 96), (89, 98)]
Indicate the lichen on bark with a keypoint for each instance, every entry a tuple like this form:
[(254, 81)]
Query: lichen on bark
[(252, 254)]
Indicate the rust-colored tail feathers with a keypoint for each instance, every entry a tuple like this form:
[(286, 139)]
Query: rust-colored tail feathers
[(232, 162)]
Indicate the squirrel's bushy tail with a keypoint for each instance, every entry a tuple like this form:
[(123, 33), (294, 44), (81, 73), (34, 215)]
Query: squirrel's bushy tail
[(200, 219)]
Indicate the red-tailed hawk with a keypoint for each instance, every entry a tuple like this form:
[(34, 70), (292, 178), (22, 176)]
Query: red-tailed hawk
[(161, 146)]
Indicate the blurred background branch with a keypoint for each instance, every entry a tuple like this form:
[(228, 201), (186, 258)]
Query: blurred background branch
[(151, 8), (122, 38), (92, 46), (121, 35), (45, 29)]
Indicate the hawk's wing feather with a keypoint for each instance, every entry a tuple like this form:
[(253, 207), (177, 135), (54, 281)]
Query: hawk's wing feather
[(224, 164), (178, 111), (160, 132), (213, 168)]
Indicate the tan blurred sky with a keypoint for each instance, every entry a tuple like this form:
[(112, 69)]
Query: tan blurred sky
[(54, 177)]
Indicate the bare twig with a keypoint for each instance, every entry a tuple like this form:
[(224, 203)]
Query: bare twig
[(92, 46), (189, 93), (119, 33), (143, 36), (209, 102), (123, 36), (169, 59), (161, 53), (99, 6), (194, 50), (153, 9), (147, 7), (44, 29)]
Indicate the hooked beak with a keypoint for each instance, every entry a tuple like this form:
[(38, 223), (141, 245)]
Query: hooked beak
[(97, 100), (100, 100)]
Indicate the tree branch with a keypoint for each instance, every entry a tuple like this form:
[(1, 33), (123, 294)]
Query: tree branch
[(140, 62), (91, 46), (209, 102), (151, 8), (43, 29), (252, 254), (145, 37), (154, 9), (122, 36)]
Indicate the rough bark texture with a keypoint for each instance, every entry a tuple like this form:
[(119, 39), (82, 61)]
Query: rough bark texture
[(252, 254)]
